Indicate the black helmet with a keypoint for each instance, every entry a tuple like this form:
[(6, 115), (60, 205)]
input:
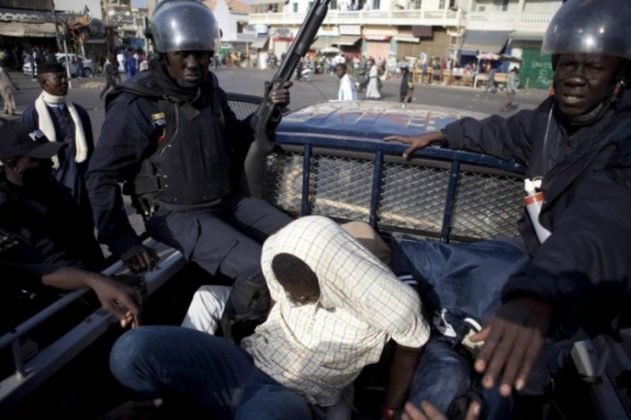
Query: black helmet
[(184, 25), (590, 26)]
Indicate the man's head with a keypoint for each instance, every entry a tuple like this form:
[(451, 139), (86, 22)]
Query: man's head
[(185, 33), (25, 153), (583, 81), (591, 50), (297, 279), (53, 79), (340, 70)]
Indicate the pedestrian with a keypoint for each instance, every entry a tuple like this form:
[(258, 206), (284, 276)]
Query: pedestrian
[(64, 121), (347, 90), (406, 90), (372, 90), (490, 86), (569, 267), (512, 83), (7, 90), (111, 72), (171, 136), (335, 307)]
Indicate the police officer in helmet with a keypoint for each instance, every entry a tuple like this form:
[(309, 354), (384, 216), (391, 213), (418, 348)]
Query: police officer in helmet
[(171, 136), (579, 143)]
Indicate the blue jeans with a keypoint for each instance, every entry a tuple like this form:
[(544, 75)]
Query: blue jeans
[(465, 280), (443, 375), (210, 372)]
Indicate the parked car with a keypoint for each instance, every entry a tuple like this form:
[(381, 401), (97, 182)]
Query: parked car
[(89, 68)]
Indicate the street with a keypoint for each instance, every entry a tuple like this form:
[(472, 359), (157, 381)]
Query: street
[(321, 88)]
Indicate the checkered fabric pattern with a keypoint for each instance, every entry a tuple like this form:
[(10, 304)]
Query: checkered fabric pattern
[(319, 349)]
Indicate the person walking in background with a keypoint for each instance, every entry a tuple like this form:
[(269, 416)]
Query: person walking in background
[(7, 90), (407, 86), (130, 65), (111, 74), (372, 91), (347, 90), (490, 80), (512, 83)]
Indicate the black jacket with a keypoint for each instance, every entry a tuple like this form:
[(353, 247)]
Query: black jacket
[(131, 133), (584, 266), (50, 221)]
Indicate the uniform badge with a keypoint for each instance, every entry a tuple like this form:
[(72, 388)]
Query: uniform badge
[(158, 120)]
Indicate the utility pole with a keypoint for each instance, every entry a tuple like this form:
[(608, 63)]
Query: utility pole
[(52, 9)]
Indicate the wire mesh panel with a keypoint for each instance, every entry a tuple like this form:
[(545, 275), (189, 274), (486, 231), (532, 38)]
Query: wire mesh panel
[(487, 205), (413, 197), (340, 187), (243, 105), (283, 180)]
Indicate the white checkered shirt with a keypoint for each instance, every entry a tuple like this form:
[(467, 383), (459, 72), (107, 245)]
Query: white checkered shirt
[(319, 349)]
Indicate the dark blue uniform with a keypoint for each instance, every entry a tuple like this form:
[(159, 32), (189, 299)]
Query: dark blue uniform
[(177, 155), (582, 268), (70, 173)]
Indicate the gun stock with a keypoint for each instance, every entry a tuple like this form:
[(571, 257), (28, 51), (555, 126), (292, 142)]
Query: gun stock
[(254, 166)]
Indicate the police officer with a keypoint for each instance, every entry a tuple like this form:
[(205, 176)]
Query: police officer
[(171, 136), (578, 142)]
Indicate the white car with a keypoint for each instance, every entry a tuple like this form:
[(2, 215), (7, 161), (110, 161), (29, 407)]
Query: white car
[(89, 68)]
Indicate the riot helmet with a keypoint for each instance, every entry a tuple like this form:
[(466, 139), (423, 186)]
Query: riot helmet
[(184, 25), (590, 26)]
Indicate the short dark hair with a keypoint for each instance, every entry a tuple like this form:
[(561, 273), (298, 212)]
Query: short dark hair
[(290, 269), (341, 66)]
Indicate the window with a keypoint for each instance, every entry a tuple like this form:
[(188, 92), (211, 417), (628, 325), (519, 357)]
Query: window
[(295, 8), (375, 4)]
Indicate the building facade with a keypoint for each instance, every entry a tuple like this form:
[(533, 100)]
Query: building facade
[(454, 30)]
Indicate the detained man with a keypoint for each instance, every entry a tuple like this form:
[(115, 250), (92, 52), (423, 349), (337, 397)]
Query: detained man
[(335, 306)]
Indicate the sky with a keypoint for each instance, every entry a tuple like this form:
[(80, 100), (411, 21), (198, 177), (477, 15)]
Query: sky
[(139, 3)]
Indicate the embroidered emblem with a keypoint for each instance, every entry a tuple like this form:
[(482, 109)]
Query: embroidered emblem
[(158, 120)]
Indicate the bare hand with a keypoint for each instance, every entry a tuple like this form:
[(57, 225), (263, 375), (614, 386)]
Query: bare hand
[(140, 259), (428, 412), (512, 340), (280, 95), (121, 300), (416, 142)]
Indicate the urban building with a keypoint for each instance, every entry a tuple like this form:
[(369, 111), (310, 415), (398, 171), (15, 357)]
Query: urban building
[(454, 31)]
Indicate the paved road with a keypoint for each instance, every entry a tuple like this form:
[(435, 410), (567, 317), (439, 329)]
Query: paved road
[(321, 88)]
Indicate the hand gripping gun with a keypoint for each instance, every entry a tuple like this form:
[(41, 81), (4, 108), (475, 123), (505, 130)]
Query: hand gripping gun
[(254, 166)]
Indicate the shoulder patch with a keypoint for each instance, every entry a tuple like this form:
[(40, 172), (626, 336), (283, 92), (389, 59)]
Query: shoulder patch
[(158, 120)]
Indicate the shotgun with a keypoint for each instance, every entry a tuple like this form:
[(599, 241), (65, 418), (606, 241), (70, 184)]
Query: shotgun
[(254, 166)]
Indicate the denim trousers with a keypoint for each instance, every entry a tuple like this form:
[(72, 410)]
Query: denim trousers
[(443, 375), (210, 372)]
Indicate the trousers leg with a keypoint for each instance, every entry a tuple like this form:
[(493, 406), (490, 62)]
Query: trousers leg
[(442, 375), (205, 238), (256, 217), (206, 308), (208, 371)]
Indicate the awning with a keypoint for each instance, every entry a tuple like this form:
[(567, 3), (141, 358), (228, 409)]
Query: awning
[(257, 2), (526, 36), (422, 31), (323, 42), (403, 38), (486, 41), (259, 42), (378, 38), (347, 40), (28, 30)]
